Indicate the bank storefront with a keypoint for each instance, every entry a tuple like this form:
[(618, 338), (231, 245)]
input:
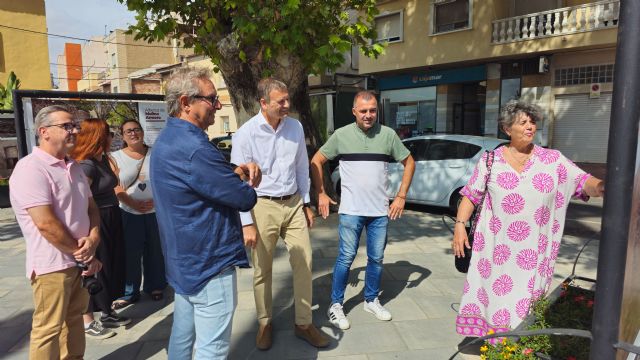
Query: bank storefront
[(446, 101)]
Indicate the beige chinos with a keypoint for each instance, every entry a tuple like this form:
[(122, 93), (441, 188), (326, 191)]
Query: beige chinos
[(284, 219)]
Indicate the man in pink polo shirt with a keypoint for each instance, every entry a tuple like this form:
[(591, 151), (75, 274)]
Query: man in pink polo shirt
[(59, 220)]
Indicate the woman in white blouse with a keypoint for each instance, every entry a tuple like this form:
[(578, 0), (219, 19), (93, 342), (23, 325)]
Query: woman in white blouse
[(141, 237)]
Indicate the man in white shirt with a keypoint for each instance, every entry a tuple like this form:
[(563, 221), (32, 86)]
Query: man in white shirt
[(276, 143)]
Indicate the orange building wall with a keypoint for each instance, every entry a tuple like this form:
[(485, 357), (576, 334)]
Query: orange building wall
[(73, 54)]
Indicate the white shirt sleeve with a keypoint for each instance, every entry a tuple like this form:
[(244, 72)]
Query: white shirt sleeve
[(239, 149)]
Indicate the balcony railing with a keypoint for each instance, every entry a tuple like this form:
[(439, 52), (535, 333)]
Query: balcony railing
[(569, 20)]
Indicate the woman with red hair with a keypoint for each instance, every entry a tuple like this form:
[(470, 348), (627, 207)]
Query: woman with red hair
[(92, 144)]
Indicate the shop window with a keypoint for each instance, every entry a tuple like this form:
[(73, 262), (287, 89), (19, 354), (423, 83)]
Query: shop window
[(389, 27), (584, 75), (450, 15)]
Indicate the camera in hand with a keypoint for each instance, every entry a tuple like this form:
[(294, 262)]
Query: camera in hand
[(89, 282)]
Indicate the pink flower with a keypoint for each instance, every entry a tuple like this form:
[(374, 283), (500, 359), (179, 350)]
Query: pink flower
[(465, 289), (559, 200), (512, 203), (562, 174), (502, 285), (501, 317), (495, 224), (527, 351), (543, 241), (542, 215), (518, 230), (470, 309), (484, 268), (545, 269), (548, 156), (501, 253), (478, 242), (508, 180), (543, 182), (555, 248), (527, 259), (483, 297), (522, 307), (556, 227)]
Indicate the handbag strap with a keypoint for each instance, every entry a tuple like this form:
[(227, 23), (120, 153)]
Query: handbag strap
[(474, 222), (139, 170)]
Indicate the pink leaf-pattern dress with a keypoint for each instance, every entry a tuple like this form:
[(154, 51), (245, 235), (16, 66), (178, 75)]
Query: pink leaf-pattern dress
[(517, 238)]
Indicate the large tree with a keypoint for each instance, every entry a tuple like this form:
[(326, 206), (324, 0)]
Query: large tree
[(250, 39)]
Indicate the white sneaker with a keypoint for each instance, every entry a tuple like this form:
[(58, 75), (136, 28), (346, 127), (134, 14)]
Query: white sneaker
[(376, 309), (337, 317)]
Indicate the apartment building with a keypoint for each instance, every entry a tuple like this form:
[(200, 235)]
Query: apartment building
[(24, 53), (118, 54), (450, 65)]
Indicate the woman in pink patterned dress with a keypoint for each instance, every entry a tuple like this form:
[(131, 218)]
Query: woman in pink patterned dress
[(520, 224)]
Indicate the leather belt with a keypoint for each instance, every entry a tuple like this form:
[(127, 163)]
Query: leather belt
[(279, 198)]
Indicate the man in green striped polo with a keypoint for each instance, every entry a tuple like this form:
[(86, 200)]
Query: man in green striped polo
[(365, 149)]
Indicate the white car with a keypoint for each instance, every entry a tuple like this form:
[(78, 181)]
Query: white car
[(444, 164)]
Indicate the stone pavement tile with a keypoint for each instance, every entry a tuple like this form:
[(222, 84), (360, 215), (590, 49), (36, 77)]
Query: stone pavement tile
[(365, 338), (106, 351), (16, 355), (23, 343), (12, 337), (401, 309), (345, 357), (153, 350), (440, 353), (452, 286), (14, 316), (444, 306), (427, 334), (285, 346)]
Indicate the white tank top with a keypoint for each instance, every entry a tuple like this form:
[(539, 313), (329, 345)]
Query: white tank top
[(138, 188)]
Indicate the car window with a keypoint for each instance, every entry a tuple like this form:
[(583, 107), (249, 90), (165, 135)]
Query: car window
[(449, 150), (417, 148)]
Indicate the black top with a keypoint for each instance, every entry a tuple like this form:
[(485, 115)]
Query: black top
[(103, 180)]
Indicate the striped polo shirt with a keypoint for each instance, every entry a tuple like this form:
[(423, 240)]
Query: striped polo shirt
[(364, 160)]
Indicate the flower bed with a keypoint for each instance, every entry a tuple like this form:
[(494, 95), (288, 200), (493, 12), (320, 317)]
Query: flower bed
[(573, 309)]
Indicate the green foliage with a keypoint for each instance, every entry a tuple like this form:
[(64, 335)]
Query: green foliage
[(120, 112), (6, 92), (573, 309), (318, 32), (4, 182)]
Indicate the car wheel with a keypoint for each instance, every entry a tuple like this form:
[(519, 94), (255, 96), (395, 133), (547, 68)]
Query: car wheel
[(454, 201)]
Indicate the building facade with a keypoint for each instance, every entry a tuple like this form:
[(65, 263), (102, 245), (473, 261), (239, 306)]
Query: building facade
[(24, 53), (450, 65)]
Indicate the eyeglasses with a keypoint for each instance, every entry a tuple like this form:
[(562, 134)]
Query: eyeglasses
[(133, 131), (213, 100), (68, 127)]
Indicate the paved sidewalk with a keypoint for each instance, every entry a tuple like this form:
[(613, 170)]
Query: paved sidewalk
[(420, 287)]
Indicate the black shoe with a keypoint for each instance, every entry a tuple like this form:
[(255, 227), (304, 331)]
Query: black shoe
[(97, 331), (113, 320)]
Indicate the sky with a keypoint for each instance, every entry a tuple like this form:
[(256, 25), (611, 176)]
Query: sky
[(83, 19)]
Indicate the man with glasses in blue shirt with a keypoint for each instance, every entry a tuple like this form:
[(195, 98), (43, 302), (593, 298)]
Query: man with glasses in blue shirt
[(198, 195)]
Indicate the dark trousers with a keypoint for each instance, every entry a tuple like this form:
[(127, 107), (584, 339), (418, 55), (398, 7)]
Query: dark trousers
[(111, 253), (143, 253)]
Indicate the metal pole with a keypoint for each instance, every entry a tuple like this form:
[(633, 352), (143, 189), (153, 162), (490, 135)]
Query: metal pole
[(621, 157)]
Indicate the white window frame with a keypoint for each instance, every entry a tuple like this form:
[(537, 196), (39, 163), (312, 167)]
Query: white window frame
[(387, 14), (432, 25)]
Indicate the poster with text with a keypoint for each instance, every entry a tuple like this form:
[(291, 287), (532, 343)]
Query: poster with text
[(153, 116)]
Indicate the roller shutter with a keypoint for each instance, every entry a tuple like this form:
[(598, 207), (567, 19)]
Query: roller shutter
[(581, 127)]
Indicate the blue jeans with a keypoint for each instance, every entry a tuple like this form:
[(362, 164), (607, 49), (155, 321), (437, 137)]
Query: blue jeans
[(142, 251), (204, 319), (350, 229)]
